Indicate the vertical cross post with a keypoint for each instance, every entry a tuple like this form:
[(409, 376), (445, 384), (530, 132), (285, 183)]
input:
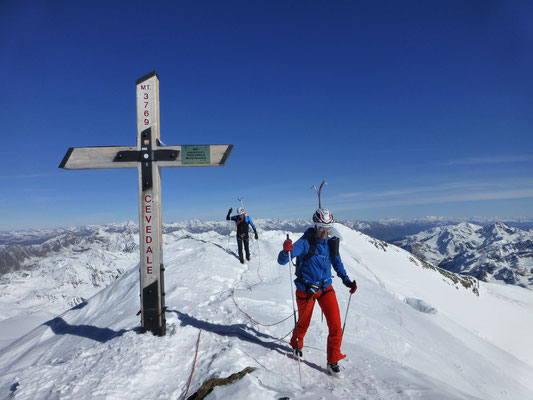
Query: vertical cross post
[(148, 157), (150, 227)]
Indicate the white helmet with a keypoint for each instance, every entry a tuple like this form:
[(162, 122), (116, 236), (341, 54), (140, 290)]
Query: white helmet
[(240, 211), (323, 218)]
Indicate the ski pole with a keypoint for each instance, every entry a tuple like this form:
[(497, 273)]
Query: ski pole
[(229, 234), (346, 316), (295, 320)]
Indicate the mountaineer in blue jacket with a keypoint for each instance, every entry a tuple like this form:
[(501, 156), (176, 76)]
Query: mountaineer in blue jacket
[(316, 253), (243, 223)]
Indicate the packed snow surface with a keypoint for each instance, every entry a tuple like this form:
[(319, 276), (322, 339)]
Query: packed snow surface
[(412, 332)]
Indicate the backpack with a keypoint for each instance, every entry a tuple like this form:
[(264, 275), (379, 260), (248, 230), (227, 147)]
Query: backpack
[(333, 244)]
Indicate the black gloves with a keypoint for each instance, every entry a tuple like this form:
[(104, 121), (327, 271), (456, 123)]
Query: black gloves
[(352, 285), (256, 236), (230, 211)]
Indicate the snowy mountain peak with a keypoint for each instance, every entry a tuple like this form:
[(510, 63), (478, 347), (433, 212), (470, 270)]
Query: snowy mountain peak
[(500, 230), (495, 252), (467, 226)]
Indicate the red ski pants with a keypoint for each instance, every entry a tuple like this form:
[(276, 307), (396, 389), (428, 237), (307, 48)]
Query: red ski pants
[(327, 300)]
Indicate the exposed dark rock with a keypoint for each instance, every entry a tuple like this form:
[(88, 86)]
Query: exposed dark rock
[(210, 384)]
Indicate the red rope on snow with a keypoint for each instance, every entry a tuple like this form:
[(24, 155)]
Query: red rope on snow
[(250, 287), (193, 365)]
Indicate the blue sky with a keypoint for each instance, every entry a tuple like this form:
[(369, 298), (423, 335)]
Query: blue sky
[(406, 109)]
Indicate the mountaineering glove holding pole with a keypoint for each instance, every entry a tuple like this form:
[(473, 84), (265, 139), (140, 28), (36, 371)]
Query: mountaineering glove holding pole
[(287, 245), (351, 285)]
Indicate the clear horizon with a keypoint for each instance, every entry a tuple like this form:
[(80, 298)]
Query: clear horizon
[(427, 219), (406, 110)]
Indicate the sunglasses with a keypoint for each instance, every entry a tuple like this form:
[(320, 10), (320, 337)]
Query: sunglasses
[(323, 228)]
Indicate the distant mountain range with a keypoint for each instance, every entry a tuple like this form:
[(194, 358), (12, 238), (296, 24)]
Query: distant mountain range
[(465, 251), (24, 248), (391, 230), (493, 252), (61, 268)]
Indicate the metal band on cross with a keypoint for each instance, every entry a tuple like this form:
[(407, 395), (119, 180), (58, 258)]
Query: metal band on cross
[(148, 157)]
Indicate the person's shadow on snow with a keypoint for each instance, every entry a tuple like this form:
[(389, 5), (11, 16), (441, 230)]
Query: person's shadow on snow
[(60, 327), (243, 332)]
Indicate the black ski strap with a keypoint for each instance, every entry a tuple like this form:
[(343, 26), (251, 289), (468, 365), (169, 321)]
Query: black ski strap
[(310, 294), (312, 247), (333, 244)]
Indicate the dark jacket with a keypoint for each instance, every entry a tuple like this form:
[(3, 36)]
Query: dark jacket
[(243, 225)]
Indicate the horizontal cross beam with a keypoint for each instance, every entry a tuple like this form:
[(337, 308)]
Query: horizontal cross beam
[(109, 157)]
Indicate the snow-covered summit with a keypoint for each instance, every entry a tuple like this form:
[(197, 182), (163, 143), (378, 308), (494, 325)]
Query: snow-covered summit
[(413, 331)]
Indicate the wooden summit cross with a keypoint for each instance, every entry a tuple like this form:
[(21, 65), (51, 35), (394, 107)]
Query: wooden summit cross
[(148, 157)]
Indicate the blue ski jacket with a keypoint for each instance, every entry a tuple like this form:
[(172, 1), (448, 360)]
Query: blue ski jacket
[(314, 274)]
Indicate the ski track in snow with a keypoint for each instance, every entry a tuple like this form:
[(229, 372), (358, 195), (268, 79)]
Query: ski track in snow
[(94, 350)]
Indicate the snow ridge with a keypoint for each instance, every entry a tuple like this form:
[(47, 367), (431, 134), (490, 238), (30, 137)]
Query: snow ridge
[(410, 333)]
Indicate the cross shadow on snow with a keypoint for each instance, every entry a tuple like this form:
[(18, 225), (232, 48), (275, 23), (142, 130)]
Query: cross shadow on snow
[(60, 327), (243, 332), (240, 330)]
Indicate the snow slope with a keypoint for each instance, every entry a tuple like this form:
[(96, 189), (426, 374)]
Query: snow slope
[(411, 332), (60, 270)]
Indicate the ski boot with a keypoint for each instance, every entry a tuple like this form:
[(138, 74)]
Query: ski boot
[(334, 369)]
